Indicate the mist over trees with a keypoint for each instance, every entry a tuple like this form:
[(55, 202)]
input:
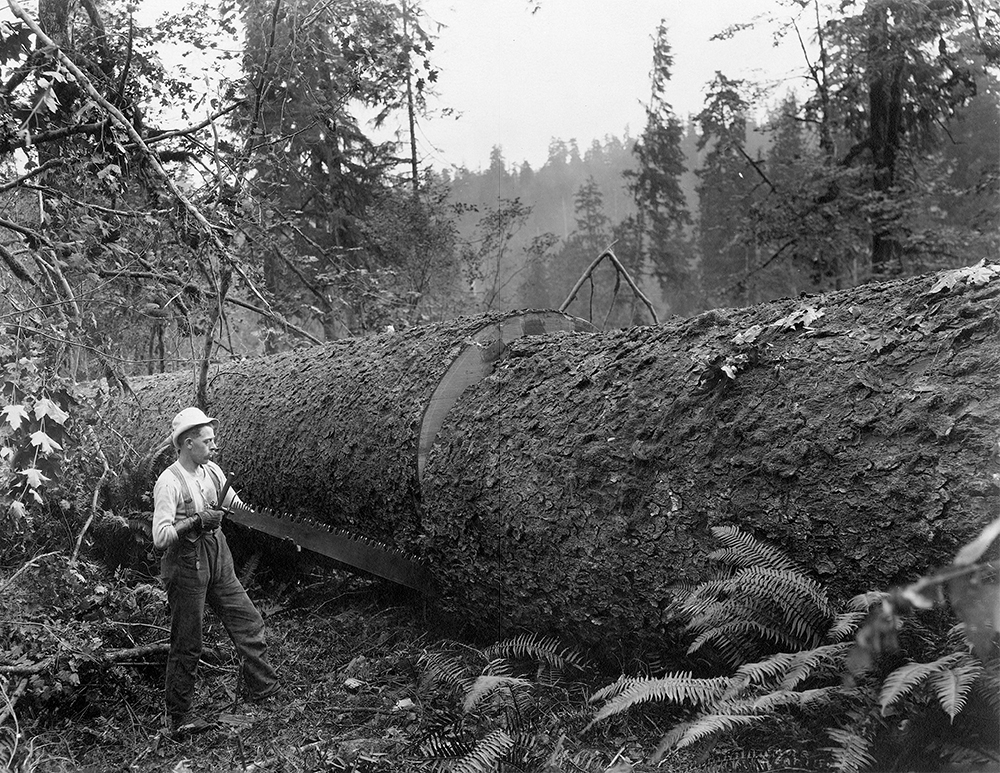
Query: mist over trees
[(886, 166)]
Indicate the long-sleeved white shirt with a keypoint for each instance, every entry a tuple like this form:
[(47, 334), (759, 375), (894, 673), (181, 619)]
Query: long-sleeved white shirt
[(168, 499)]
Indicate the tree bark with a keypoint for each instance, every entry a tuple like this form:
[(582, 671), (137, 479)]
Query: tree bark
[(571, 489)]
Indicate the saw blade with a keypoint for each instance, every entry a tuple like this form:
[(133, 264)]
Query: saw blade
[(359, 552)]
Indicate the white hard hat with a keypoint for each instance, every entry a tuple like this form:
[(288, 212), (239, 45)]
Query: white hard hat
[(188, 419)]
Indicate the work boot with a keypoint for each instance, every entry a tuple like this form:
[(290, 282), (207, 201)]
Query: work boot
[(265, 696), (178, 727)]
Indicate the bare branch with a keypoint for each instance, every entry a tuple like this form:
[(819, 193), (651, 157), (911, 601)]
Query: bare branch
[(622, 271), (53, 163)]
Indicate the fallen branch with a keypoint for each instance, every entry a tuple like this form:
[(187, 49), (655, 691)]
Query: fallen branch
[(114, 656), (621, 271), (11, 700)]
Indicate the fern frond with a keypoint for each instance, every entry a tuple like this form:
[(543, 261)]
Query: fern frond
[(799, 596), (905, 679), (807, 662), (445, 668), (443, 744), (774, 700), (845, 624), (703, 597), (486, 684), (768, 669), (851, 753), (863, 602), (952, 686), (616, 688), (987, 687), (672, 688), (486, 756), (670, 740), (713, 724), (798, 602), (744, 550), (734, 637), (498, 667), (541, 649)]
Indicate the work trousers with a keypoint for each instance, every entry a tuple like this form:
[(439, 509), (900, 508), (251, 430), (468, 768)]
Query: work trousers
[(195, 572)]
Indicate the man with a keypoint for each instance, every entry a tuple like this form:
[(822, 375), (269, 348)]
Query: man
[(198, 567)]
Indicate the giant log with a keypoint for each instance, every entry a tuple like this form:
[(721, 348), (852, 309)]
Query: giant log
[(567, 485)]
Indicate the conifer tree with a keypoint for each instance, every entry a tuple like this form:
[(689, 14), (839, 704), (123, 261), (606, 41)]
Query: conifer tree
[(655, 185)]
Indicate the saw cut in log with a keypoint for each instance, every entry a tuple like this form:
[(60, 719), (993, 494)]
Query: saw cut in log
[(478, 359), (570, 489)]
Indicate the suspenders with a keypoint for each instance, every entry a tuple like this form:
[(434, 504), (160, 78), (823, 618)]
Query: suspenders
[(189, 510)]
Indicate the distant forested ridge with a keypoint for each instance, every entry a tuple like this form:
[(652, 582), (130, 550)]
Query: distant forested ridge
[(559, 216)]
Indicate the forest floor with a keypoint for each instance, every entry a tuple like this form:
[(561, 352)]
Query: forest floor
[(356, 697)]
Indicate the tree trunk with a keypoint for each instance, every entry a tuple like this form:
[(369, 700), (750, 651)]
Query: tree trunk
[(885, 103), (569, 490)]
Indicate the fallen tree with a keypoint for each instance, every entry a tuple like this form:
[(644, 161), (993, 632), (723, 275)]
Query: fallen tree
[(568, 490)]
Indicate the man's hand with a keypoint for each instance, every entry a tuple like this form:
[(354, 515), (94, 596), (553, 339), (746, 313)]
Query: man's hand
[(211, 519)]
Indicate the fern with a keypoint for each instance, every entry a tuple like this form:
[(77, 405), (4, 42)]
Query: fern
[(616, 688), (759, 596), (804, 664), (852, 752), (674, 688), (743, 550), (905, 679), (444, 744), (708, 725), (486, 755), (845, 624), (446, 669), (540, 649), (952, 686), (487, 684), (780, 698), (735, 639)]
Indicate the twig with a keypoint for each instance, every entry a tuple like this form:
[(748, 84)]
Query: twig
[(32, 562), (93, 503), (610, 255)]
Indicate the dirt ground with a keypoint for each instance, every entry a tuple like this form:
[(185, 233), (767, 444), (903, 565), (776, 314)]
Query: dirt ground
[(356, 697)]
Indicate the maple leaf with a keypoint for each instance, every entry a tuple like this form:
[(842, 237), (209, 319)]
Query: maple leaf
[(980, 274), (35, 476), (44, 442), (974, 275), (45, 407), (15, 414)]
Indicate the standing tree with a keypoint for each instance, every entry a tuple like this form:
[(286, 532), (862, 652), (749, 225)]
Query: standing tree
[(725, 193), (656, 187)]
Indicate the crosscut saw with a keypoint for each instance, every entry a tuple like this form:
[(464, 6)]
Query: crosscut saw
[(361, 553)]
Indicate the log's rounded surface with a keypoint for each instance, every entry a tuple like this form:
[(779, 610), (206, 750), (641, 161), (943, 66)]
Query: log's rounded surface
[(570, 488), (329, 432), (858, 431)]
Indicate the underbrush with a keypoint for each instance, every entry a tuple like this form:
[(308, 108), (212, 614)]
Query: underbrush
[(777, 677)]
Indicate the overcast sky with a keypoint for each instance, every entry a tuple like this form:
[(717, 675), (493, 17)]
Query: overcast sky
[(578, 69)]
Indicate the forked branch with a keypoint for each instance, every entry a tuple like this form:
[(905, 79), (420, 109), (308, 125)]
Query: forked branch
[(621, 272)]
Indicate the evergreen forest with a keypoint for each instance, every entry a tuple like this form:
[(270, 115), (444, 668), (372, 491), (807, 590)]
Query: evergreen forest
[(186, 188)]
